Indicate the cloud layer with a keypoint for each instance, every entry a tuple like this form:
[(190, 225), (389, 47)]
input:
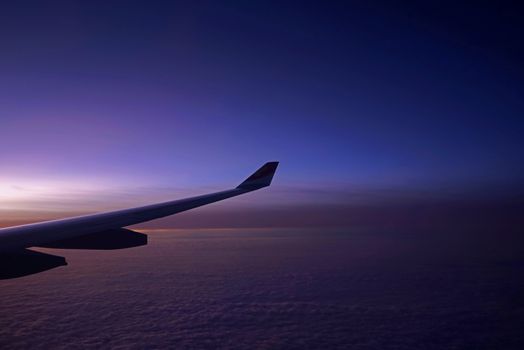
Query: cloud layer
[(273, 290)]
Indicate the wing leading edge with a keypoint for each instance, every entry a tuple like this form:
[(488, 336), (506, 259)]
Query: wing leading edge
[(54, 233)]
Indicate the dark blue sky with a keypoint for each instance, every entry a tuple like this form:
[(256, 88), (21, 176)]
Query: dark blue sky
[(183, 94)]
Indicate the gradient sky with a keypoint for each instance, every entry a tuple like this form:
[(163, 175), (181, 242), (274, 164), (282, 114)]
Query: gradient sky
[(109, 103)]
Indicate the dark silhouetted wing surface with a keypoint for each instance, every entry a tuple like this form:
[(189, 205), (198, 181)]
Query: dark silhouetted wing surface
[(61, 233)]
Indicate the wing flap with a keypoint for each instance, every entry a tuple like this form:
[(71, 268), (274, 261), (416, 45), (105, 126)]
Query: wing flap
[(104, 240), (27, 262)]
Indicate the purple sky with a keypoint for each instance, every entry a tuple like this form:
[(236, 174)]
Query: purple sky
[(107, 104)]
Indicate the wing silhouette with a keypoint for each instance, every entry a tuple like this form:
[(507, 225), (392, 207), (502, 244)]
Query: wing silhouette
[(104, 230)]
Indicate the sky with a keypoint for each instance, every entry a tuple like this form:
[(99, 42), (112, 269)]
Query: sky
[(106, 104)]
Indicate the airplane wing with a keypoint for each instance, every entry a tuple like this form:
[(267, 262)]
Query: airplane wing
[(102, 230)]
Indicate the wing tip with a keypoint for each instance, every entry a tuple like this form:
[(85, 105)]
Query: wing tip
[(260, 178)]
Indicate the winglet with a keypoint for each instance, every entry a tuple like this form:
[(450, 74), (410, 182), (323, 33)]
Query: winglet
[(260, 178)]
